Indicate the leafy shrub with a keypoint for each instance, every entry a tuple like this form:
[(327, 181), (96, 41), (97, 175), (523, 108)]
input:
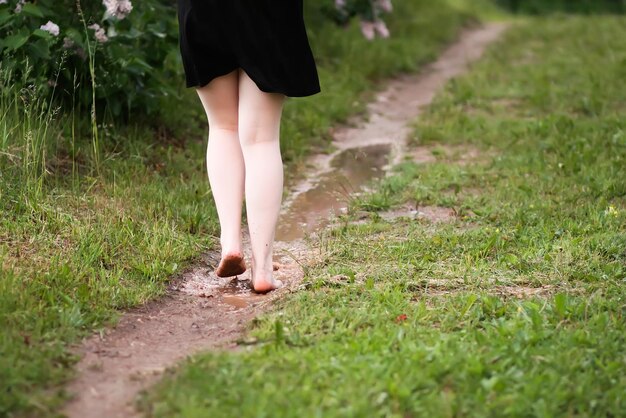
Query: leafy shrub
[(571, 6), (72, 46)]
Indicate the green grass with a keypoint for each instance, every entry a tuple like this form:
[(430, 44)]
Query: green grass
[(79, 244), (515, 308)]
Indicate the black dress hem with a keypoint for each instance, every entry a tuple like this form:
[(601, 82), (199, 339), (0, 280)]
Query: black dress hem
[(202, 82)]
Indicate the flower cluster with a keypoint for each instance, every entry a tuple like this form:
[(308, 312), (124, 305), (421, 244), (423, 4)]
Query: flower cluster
[(18, 7), (117, 9), (50, 27), (370, 13), (101, 36)]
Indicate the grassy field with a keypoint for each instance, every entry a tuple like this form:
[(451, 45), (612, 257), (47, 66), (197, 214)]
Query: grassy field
[(516, 307), (88, 229)]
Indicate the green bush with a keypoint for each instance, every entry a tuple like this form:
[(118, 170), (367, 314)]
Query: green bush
[(569, 6), (71, 47)]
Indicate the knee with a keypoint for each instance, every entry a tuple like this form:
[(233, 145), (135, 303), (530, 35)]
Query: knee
[(231, 128), (223, 121), (252, 135)]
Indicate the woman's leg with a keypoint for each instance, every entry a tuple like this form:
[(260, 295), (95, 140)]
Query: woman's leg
[(225, 166), (259, 131)]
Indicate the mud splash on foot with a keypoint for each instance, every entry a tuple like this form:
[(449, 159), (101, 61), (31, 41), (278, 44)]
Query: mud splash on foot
[(201, 311)]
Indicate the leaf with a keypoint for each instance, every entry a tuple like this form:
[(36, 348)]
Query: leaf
[(32, 9), (471, 299), (42, 34), (14, 42), (138, 66), (560, 304), (279, 332), (39, 49), (511, 259), (5, 16), (76, 36)]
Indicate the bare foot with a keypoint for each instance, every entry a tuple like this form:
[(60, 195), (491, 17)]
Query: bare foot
[(263, 284), (231, 265)]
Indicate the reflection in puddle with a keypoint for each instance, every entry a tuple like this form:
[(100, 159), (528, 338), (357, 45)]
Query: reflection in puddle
[(239, 302), (235, 286), (313, 209), (237, 294)]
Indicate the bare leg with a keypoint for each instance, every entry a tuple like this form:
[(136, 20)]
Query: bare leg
[(259, 132), (225, 166)]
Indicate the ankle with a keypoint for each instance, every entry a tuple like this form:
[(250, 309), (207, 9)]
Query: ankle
[(264, 271), (231, 247), (231, 252)]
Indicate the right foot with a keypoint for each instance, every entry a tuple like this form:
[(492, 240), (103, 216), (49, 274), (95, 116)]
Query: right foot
[(263, 284), (231, 265)]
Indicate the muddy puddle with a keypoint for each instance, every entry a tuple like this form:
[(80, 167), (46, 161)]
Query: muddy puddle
[(315, 208), (203, 312)]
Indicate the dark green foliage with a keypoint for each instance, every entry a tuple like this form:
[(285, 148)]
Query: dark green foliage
[(131, 69), (568, 6)]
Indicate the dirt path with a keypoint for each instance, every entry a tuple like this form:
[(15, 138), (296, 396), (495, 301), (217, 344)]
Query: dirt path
[(201, 311)]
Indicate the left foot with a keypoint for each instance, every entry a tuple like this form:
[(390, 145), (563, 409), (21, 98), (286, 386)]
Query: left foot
[(231, 265)]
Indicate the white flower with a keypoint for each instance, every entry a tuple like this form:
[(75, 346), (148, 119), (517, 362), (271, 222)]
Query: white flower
[(100, 35), (18, 8), (368, 30), (381, 29), (371, 29), (385, 5), (50, 27), (118, 9), (4, 1), (340, 4)]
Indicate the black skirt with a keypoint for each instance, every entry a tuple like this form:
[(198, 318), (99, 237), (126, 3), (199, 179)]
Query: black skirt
[(266, 38)]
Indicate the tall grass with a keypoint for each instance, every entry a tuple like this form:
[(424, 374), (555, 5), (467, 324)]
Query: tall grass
[(28, 128), (32, 128), (91, 51)]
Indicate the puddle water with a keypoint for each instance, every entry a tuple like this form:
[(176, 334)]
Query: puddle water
[(236, 293), (235, 286), (313, 209), (238, 302)]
